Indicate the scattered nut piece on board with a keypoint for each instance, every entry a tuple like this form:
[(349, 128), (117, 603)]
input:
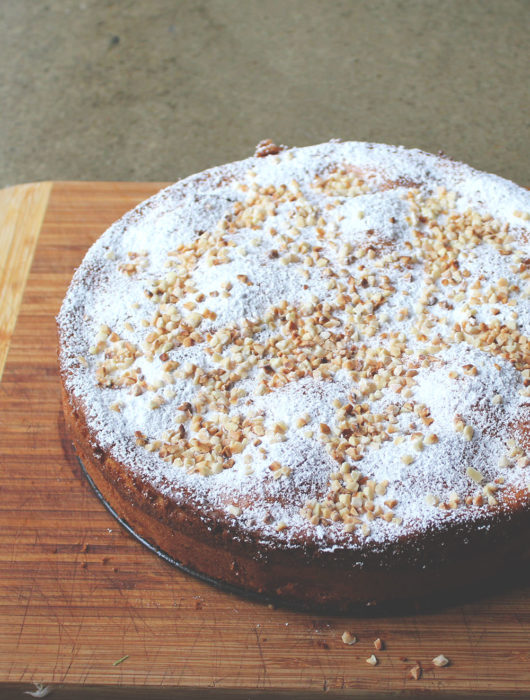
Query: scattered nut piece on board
[(348, 638), (440, 661), (415, 672)]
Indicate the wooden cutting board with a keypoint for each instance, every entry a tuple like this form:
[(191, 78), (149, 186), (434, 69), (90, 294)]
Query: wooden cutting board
[(77, 593)]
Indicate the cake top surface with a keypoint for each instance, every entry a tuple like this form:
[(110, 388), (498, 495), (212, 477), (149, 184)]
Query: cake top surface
[(325, 343)]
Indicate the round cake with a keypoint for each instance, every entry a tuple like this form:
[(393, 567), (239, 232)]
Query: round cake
[(307, 374)]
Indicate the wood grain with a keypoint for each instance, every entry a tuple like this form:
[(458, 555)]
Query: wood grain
[(21, 212), (77, 593)]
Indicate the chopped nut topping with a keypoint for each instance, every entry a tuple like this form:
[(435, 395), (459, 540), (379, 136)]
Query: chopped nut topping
[(267, 148), (475, 475), (468, 433)]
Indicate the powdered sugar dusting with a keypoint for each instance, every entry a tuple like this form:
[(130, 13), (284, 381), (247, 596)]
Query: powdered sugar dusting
[(348, 324)]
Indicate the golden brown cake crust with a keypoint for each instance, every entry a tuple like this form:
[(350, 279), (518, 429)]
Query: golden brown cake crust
[(310, 538)]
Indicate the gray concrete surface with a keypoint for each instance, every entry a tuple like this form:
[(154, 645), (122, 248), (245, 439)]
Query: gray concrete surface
[(157, 89)]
